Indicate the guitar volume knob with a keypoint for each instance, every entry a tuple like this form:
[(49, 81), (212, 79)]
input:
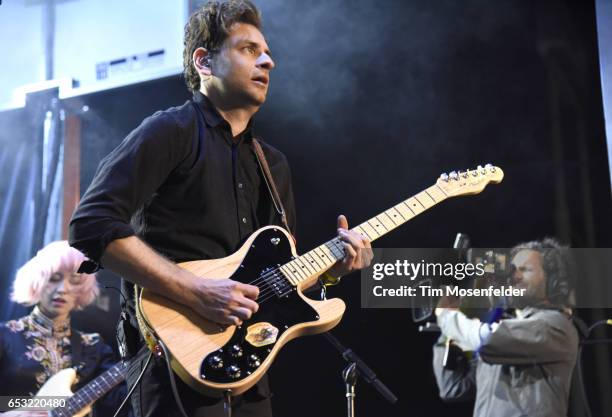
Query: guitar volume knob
[(254, 361), (216, 362), (234, 372), (236, 351)]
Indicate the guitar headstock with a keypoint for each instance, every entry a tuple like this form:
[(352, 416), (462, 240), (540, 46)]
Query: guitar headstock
[(470, 181)]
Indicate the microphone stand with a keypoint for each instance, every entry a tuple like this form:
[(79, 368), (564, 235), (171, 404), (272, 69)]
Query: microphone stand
[(356, 368)]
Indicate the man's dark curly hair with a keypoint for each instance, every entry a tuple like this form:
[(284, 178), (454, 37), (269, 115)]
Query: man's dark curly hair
[(557, 267), (209, 27)]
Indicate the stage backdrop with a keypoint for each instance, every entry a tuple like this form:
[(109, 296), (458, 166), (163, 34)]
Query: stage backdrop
[(371, 101)]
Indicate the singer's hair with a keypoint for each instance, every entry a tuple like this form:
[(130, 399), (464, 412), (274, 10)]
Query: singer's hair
[(57, 256), (209, 27), (557, 267)]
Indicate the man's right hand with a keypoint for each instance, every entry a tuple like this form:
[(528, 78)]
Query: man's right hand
[(221, 300), (225, 301)]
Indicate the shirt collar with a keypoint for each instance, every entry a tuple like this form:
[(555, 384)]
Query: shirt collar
[(214, 119), (211, 115), (47, 326)]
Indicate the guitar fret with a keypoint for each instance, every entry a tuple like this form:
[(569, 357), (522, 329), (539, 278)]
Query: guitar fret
[(429, 195), (386, 222), (309, 265), (441, 190), (362, 231), (395, 224), (398, 213), (284, 269), (325, 257), (409, 208), (374, 234), (320, 261), (294, 274), (304, 267), (375, 227), (297, 271), (289, 272), (414, 206), (88, 394), (406, 214), (417, 199), (382, 223), (313, 261), (299, 268)]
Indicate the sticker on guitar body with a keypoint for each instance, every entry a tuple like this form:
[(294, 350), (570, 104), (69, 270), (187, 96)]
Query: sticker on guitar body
[(261, 334)]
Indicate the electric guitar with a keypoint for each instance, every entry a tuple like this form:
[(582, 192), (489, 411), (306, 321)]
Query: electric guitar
[(79, 403), (214, 359)]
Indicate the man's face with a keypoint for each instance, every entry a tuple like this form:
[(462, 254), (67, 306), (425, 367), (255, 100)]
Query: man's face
[(242, 67), (58, 297), (529, 274)]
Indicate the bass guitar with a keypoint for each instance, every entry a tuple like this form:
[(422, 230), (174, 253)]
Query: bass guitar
[(79, 404)]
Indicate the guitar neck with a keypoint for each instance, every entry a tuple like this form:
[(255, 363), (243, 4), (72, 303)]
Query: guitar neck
[(91, 392), (321, 258)]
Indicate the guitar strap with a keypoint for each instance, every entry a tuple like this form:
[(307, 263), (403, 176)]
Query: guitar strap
[(76, 349), (267, 174)]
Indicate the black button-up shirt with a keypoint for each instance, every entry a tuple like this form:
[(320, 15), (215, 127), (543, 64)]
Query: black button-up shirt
[(183, 184)]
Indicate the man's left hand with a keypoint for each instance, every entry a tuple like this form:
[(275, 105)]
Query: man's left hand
[(447, 302), (357, 248)]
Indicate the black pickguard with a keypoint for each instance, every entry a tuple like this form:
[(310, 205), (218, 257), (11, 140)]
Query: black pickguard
[(279, 305)]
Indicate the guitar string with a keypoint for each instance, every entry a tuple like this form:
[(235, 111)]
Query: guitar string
[(268, 292), (335, 243), (264, 277)]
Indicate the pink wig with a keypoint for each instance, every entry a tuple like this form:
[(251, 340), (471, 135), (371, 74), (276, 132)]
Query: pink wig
[(57, 256)]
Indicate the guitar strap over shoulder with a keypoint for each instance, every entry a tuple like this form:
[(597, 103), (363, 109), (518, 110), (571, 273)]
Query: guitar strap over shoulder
[(267, 174), (76, 348)]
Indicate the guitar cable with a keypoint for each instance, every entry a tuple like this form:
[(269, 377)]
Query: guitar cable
[(177, 398), (129, 394)]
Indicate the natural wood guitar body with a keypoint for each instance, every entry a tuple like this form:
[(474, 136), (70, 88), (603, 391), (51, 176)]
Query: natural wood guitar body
[(190, 338), (59, 386)]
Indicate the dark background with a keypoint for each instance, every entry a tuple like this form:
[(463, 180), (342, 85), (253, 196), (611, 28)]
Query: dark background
[(371, 101)]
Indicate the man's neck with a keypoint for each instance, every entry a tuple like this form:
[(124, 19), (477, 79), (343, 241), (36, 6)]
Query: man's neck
[(238, 116)]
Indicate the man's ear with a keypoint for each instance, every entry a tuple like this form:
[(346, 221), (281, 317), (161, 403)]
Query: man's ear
[(201, 61)]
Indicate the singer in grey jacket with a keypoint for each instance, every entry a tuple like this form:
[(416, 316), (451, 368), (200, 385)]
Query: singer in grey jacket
[(522, 366)]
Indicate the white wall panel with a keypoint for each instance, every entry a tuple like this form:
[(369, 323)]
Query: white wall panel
[(22, 57)]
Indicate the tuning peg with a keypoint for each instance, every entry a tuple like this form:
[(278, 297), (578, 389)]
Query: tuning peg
[(444, 176), (481, 169), (453, 175), (490, 167), (464, 174), (475, 172)]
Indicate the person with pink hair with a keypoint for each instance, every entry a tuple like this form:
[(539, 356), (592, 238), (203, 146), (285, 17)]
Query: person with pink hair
[(35, 347)]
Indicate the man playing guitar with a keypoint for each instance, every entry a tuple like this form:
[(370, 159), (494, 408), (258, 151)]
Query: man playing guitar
[(186, 185)]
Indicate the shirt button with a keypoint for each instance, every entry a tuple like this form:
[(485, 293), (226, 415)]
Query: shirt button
[(239, 185), (244, 220)]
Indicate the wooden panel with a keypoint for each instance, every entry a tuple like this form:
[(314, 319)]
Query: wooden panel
[(72, 170)]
